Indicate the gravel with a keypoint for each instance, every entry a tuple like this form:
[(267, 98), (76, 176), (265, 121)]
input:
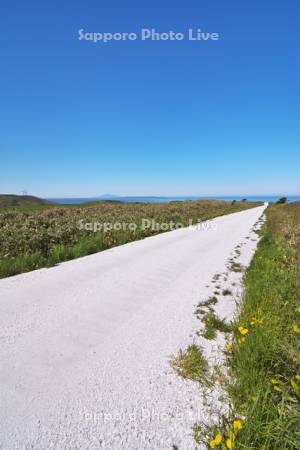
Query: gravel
[(86, 345)]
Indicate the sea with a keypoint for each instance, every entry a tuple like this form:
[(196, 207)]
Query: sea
[(153, 199)]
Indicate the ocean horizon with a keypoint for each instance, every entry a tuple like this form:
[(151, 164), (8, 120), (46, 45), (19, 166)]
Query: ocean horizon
[(162, 199)]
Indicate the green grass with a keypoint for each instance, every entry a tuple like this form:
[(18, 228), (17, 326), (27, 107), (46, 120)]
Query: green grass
[(191, 364), (205, 306), (264, 364), (84, 247), (24, 263), (213, 324)]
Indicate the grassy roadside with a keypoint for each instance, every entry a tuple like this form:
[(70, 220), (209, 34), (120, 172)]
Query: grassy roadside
[(42, 236), (263, 357), (262, 349)]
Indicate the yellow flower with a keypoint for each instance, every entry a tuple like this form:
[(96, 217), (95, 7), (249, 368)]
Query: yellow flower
[(296, 329), (229, 346), (297, 377), (216, 441), (229, 443), (237, 425), (243, 331), (240, 340), (275, 381), (297, 309)]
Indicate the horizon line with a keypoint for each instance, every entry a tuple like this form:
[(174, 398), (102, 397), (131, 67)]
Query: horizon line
[(174, 196)]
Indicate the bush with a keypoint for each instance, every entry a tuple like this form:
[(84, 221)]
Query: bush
[(281, 200)]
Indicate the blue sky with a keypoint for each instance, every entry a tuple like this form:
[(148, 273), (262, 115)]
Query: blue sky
[(150, 117)]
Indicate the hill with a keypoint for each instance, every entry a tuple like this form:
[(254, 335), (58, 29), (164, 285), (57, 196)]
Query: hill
[(11, 200)]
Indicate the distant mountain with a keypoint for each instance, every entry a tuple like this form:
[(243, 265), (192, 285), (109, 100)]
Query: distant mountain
[(8, 200), (108, 197)]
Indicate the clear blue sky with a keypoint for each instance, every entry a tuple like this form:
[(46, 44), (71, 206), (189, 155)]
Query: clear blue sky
[(160, 118)]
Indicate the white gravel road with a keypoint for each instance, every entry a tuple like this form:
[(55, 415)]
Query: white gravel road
[(86, 346)]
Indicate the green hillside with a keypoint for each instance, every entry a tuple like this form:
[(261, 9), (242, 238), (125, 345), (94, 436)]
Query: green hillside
[(11, 200)]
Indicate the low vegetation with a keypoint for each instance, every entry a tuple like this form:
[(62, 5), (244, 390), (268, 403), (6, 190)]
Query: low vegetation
[(235, 266), (205, 306), (263, 355), (226, 292), (213, 324), (36, 236), (191, 364), (281, 200)]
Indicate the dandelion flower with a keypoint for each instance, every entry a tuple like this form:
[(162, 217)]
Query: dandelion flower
[(237, 425), (216, 441), (229, 443), (243, 331)]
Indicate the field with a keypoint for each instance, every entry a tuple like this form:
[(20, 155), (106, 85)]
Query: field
[(38, 236)]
